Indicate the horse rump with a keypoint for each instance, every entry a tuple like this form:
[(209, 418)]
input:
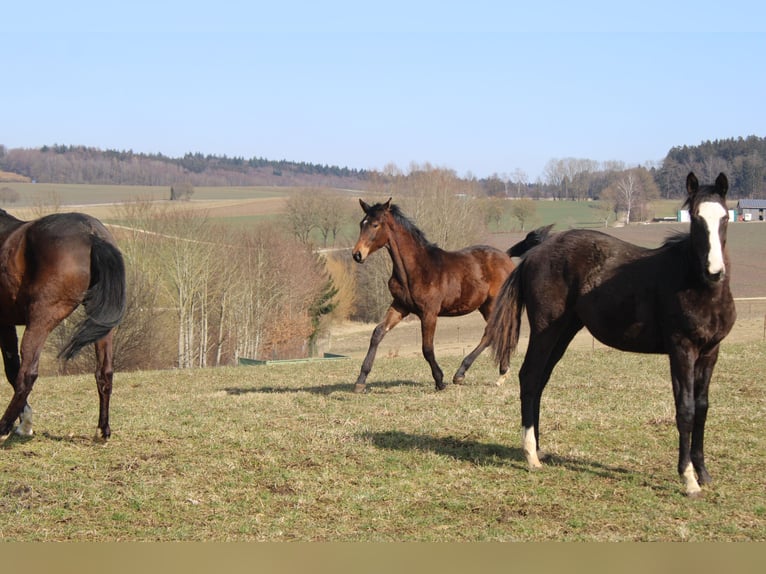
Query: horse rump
[(105, 300)]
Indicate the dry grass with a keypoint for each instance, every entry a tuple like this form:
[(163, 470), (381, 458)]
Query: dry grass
[(287, 452)]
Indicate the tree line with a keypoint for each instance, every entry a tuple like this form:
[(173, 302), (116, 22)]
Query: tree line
[(87, 165), (743, 159)]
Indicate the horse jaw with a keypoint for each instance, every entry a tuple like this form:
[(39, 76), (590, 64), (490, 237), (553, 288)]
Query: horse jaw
[(712, 212)]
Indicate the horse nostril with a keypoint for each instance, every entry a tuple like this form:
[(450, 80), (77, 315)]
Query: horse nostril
[(357, 256)]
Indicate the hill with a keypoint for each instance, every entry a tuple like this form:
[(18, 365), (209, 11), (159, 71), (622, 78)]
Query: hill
[(86, 165)]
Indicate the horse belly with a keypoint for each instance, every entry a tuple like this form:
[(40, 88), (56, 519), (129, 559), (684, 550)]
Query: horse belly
[(629, 325)]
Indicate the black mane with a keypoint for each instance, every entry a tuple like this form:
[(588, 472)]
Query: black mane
[(408, 225)]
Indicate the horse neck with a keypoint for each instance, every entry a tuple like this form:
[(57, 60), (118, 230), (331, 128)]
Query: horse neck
[(407, 252)]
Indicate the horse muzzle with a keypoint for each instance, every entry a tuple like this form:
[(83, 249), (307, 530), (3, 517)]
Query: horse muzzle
[(358, 256)]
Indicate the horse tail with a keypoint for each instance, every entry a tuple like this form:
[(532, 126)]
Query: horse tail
[(505, 320), (104, 301), (533, 238)]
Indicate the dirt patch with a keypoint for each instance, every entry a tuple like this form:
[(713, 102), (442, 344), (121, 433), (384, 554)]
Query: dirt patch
[(457, 336)]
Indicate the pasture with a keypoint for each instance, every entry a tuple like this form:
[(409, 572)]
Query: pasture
[(287, 452)]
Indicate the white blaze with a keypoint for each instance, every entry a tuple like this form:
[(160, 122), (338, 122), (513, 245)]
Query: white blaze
[(712, 212)]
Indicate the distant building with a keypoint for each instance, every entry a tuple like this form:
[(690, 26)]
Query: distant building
[(752, 209), (684, 217)]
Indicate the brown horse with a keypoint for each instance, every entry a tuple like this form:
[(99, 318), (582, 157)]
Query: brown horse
[(673, 300), (431, 282), (47, 268)]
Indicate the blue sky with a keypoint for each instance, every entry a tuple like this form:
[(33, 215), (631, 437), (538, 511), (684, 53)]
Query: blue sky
[(479, 87)]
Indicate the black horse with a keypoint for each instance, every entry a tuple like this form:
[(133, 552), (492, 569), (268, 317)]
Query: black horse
[(431, 282), (673, 300), (48, 267)]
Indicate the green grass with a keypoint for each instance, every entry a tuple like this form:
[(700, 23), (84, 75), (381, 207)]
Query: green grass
[(287, 452)]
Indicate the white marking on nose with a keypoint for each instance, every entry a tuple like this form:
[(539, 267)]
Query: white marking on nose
[(712, 212)]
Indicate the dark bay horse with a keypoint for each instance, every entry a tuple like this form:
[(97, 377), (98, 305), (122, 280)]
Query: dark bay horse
[(47, 268), (673, 300), (431, 282)]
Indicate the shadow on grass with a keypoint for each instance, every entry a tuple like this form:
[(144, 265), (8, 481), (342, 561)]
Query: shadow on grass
[(73, 439), (320, 389), (483, 454), (460, 449)]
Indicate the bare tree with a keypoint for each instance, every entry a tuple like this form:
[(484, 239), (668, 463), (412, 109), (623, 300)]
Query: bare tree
[(520, 180), (523, 210), (301, 214)]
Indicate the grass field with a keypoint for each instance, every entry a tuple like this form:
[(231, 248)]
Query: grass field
[(287, 452)]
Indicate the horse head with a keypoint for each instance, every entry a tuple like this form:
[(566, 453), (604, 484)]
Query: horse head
[(373, 229), (709, 217)]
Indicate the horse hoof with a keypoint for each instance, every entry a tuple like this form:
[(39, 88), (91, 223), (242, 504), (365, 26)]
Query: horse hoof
[(359, 389), (440, 386), (458, 380), (704, 478)]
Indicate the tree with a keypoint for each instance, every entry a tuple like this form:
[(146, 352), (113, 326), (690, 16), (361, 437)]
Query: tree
[(301, 214), (632, 192), (323, 305), (181, 192), (520, 181), (494, 209), (523, 210)]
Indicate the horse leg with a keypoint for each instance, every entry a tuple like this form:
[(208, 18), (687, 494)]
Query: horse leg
[(31, 348), (9, 343), (703, 371), (391, 320), (104, 377), (428, 329), (682, 374), (459, 377), (544, 352)]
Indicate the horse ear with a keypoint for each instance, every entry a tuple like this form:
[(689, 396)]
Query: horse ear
[(365, 207), (387, 205), (721, 184), (692, 185)]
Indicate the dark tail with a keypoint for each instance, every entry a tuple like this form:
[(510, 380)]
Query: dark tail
[(504, 323), (105, 299), (532, 239)]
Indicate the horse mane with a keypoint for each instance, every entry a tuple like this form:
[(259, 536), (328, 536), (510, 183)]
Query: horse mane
[(409, 226), (675, 238)]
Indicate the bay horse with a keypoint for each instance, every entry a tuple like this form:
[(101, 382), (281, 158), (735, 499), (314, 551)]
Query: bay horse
[(431, 282), (673, 300), (48, 267)]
